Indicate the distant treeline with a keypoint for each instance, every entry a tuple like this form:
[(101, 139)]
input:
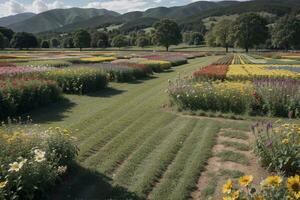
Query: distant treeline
[(249, 30)]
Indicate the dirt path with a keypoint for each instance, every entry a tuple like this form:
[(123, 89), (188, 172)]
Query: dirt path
[(218, 169)]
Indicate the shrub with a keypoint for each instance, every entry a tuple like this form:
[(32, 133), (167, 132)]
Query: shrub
[(78, 80), (157, 65), (33, 161), (47, 63), (278, 147), (273, 187), (21, 95)]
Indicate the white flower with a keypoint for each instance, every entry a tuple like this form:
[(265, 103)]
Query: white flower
[(62, 169), (16, 166), (39, 155)]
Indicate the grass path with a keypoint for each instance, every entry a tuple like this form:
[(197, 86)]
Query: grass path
[(129, 147)]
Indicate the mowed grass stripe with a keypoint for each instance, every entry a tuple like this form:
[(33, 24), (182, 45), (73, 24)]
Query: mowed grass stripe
[(126, 172), (196, 163), (128, 101), (98, 138), (138, 130), (157, 162), (116, 158), (175, 171)]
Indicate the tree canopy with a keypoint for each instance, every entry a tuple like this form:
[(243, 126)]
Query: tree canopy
[(286, 32), (23, 40), (167, 33), (223, 33), (82, 39), (250, 29), (119, 41)]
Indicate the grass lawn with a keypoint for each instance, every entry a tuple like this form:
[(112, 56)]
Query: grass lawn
[(130, 148)]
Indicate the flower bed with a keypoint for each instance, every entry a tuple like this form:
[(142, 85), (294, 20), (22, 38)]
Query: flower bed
[(175, 60), (211, 72), (226, 60), (262, 97), (15, 71), (92, 60), (32, 161), (46, 63), (78, 80), (157, 65), (21, 95)]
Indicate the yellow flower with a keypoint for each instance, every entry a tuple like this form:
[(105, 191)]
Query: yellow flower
[(235, 195), (285, 141), (272, 181), (3, 184), (245, 180), (39, 155), (293, 185), (259, 198), (15, 166), (227, 187)]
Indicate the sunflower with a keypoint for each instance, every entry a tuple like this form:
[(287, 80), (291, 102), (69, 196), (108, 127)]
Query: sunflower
[(245, 180), (235, 195), (227, 187), (293, 185), (272, 181)]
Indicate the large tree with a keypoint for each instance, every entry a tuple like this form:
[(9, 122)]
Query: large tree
[(82, 39), (55, 42), (223, 33), (286, 32), (167, 33), (250, 29), (142, 41), (45, 44), (119, 41), (2, 44), (68, 42), (99, 36), (23, 40), (8, 33)]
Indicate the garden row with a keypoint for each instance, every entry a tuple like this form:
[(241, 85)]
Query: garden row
[(240, 89), (28, 85)]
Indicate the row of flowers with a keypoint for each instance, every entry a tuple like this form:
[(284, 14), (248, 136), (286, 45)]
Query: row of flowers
[(263, 97), (32, 161)]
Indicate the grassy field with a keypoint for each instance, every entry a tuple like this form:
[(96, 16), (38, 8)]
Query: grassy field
[(130, 147)]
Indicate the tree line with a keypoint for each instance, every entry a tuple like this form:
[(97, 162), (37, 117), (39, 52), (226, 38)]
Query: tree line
[(249, 30)]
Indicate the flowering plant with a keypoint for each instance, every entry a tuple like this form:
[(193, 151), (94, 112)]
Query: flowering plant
[(32, 161), (272, 188)]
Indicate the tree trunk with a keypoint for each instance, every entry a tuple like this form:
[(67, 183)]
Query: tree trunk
[(247, 49), (167, 48), (80, 48), (226, 48)]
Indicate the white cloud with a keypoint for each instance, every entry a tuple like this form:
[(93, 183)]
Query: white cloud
[(12, 7)]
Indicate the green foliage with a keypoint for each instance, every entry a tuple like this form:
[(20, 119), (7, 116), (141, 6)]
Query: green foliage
[(223, 33), (55, 43), (193, 38), (167, 33), (78, 80), (2, 45), (68, 42), (82, 39), (286, 32), (250, 29), (8, 33), (46, 63), (99, 39), (40, 159), (119, 41), (278, 147), (45, 44), (18, 96), (23, 40), (142, 41)]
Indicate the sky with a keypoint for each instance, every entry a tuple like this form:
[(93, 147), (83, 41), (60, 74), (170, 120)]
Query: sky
[(11, 7)]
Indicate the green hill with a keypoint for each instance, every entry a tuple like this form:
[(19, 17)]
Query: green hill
[(12, 19), (57, 18)]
